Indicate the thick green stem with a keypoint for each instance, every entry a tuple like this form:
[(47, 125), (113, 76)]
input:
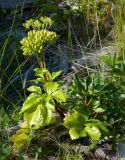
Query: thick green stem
[(42, 63)]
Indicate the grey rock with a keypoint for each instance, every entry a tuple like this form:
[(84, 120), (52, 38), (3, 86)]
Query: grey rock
[(105, 154)]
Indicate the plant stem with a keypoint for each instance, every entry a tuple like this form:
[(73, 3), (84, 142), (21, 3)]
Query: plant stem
[(42, 64)]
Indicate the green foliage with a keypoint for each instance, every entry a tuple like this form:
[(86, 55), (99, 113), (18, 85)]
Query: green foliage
[(97, 105), (80, 125), (40, 105), (116, 66), (38, 108)]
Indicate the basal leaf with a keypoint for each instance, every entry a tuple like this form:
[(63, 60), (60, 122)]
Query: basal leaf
[(100, 125), (75, 123), (18, 145), (93, 132), (111, 121), (19, 140), (76, 119), (19, 137), (76, 133)]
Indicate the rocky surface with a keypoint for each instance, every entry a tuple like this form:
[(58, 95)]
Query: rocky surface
[(99, 153)]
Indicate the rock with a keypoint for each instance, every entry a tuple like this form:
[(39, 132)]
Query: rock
[(99, 153), (82, 149), (91, 61), (104, 154), (56, 61)]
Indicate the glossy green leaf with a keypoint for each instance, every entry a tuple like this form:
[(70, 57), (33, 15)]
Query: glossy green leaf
[(93, 132), (99, 124), (19, 140), (55, 74), (75, 124), (50, 106), (76, 119), (51, 87), (77, 132), (99, 110), (40, 72), (48, 117), (34, 89), (32, 100), (33, 115), (18, 145), (59, 95), (46, 113)]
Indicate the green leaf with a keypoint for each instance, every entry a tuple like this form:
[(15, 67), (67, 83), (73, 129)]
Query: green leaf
[(19, 140), (93, 132), (51, 87), (35, 89), (32, 100), (99, 124), (60, 95), (37, 80), (46, 114), (76, 119), (50, 106), (111, 121), (48, 117), (41, 72), (33, 116), (99, 110), (75, 124), (76, 133), (55, 74), (19, 136), (19, 144)]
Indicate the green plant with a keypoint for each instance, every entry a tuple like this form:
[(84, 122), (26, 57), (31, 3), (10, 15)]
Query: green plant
[(84, 99), (40, 105), (96, 104)]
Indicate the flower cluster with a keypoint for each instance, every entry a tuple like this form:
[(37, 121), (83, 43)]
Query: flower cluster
[(37, 41), (42, 22)]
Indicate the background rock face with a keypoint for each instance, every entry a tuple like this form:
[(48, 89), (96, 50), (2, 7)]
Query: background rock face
[(13, 3)]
